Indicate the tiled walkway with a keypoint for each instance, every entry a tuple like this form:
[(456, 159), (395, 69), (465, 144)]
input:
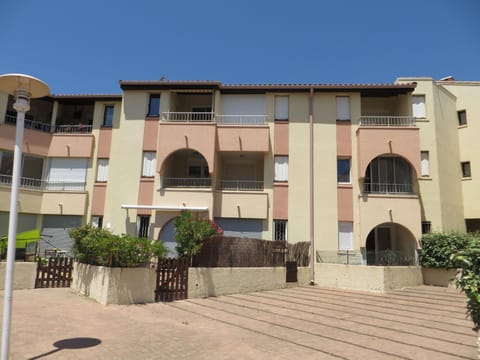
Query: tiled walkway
[(296, 323)]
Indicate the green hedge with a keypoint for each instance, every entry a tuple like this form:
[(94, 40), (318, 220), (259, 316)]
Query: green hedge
[(438, 248), (96, 246)]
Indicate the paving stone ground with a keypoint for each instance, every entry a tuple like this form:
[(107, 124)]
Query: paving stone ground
[(296, 323)]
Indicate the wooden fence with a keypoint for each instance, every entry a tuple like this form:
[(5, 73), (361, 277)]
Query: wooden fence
[(54, 273), (172, 279)]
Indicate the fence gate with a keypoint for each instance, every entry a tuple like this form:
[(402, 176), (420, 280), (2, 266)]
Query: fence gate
[(55, 273), (172, 279)]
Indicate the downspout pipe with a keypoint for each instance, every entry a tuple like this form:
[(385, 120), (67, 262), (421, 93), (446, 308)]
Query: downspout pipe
[(312, 191)]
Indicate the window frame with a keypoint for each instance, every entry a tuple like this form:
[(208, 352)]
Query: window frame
[(153, 168), (276, 175), (466, 169), (149, 108), (143, 226), (280, 230), (104, 120), (351, 237), (349, 170), (276, 107), (427, 166), (426, 227), (106, 163), (424, 115), (462, 117), (338, 105)]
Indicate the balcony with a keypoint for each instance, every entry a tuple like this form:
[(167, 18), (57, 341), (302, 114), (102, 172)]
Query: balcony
[(29, 124), (73, 129), (188, 117), (240, 185), (387, 121), (241, 119), (376, 188), (43, 185), (188, 182)]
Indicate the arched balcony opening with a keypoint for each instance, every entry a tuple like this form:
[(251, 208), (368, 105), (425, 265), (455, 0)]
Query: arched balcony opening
[(185, 168), (389, 175)]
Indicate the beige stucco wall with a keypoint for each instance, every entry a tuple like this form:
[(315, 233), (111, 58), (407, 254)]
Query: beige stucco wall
[(64, 203), (24, 275), (371, 278), (29, 201), (121, 286), (246, 205)]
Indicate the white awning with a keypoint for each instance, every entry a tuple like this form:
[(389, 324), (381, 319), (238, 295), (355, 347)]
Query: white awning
[(165, 208)]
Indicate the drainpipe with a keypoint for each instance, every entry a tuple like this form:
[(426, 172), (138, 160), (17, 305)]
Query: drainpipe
[(312, 187)]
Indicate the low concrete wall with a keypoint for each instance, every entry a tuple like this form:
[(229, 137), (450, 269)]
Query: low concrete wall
[(439, 277), (205, 282), (371, 278), (23, 277), (115, 285)]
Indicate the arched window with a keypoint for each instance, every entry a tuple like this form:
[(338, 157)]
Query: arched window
[(388, 175)]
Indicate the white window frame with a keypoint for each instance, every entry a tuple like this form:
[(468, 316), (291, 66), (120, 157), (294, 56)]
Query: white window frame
[(425, 163), (419, 109), (345, 238), (281, 168), (343, 108), (280, 230), (149, 164), (282, 107), (141, 223), (102, 170)]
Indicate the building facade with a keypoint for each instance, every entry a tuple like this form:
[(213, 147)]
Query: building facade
[(360, 170)]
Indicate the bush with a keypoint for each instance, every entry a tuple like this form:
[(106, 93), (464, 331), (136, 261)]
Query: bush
[(438, 248), (96, 246), (469, 280)]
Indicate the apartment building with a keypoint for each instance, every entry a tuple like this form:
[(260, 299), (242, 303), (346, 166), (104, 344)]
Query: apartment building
[(358, 169)]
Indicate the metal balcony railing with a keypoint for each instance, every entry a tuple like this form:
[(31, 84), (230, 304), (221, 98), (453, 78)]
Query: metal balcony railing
[(381, 188), (241, 119), (44, 185), (188, 117), (387, 121), (73, 129), (240, 185), (28, 124), (186, 182)]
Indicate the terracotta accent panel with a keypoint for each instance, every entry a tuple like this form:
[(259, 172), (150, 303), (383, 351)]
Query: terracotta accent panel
[(145, 195), (344, 139), (199, 137), (373, 142), (243, 138), (71, 145), (345, 203), (34, 142), (280, 201), (104, 142), (98, 201), (150, 134), (280, 142)]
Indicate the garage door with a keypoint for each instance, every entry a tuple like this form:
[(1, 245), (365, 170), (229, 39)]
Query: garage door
[(250, 228), (55, 232)]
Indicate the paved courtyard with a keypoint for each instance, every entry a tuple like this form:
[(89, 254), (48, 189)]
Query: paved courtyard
[(296, 323)]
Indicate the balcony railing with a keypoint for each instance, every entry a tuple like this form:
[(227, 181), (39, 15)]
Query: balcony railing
[(29, 124), (188, 117), (387, 121), (241, 119), (381, 188), (73, 129), (45, 185), (186, 182), (240, 185)]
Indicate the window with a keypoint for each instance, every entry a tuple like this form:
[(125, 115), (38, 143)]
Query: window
[(280, 230), (425, 164), (466, 172), (418, 106), (343, 107), (386, 175), (345, 235), (149, 164), (6, 163), (462, 117), (108, 116), (102, 170), (343, 171), (281, 168), (281, 107), (154, 105), (426, 227), (97, 221), (143, 225), (67, 174)]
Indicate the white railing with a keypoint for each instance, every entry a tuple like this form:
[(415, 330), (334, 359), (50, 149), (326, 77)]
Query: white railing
[(382, 188), (29, 124), (70, 129), (186, 182), (387, 121), (241, 119), (45, 185), (240, 185), (188, 117)]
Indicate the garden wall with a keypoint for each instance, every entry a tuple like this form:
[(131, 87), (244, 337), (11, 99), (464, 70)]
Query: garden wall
[(24, 275)]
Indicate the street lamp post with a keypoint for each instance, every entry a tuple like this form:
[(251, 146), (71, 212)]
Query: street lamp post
[(23, 88)]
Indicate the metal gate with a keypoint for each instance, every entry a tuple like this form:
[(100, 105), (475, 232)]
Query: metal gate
[(54, 273), (172, 279)]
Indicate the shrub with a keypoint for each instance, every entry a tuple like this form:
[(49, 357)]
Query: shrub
[(96, 246), (438, 248)]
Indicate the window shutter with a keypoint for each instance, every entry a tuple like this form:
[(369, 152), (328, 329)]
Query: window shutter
[(102, 170), (281, 168), (67, 173), (418, 106), (343, 107), (281, 107), (345, 236), (425, 163), (149, 164)]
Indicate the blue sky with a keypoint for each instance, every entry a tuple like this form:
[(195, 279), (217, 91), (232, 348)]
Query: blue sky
[(87, 46)]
